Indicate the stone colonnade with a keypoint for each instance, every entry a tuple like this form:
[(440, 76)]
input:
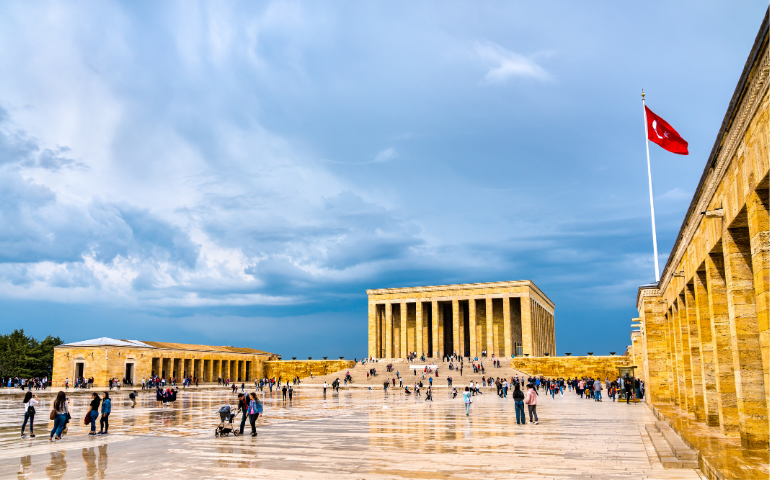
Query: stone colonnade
[(705, 333), (504, 319), (207, 367)]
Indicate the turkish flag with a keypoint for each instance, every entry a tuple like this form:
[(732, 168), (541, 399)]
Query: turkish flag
[(660, 132)]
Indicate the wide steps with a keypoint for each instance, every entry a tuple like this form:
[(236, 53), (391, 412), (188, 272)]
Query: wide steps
[(671, 449)]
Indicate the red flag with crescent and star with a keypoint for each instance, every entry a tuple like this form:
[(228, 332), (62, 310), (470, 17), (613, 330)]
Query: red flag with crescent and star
[(660, 132)]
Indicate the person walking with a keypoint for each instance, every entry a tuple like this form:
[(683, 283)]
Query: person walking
[(597, 390), (104, 422), (93, 411), (255, 408), (243, 406), (60, 412), (531, 401), (518, 402), (467, 400), (30, 400), (291, 392)]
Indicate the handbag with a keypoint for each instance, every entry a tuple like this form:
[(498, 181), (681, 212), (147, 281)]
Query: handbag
[(52, 416), (88, 418)]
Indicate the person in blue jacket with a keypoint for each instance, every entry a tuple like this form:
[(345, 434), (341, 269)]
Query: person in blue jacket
[(104, 422)]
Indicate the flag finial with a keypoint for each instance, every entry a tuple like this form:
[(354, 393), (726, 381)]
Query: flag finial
[(642, 94)]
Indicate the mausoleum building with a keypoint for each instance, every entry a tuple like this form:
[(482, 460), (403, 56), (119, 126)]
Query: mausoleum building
[(132, 360), (506, 319)]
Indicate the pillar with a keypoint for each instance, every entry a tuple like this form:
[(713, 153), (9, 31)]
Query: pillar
[(388, 330), (744, 327), (686, 365), (420, 346), (694, 347), (709, 387), (472, 327), (456, 340), (434, 312), (652, 310), (723, 350), (440, 330), (490, 328), (759, 231), (526, 326), (404, 344), (373, 330)]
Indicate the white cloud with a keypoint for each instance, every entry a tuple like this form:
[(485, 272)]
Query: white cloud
[(385, 155), (504, 64)]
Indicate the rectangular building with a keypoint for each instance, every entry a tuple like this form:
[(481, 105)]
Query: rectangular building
[(472, 319), (132, 360), (705, 327)]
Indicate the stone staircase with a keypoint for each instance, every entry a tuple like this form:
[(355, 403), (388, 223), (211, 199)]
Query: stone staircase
[(358, 373), (671, 449)]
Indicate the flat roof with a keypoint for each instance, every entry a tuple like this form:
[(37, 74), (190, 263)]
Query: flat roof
[(462, 286), (112, 342)]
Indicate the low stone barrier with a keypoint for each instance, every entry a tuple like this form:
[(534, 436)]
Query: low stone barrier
[(571, 367), (288, 369)]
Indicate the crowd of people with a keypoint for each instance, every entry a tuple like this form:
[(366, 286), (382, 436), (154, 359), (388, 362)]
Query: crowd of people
[(36, 383)]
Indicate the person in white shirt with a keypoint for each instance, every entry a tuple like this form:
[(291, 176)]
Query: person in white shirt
[(473, 389), (30, 400), (324, 388)]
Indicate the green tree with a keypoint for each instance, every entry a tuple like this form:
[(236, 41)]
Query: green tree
[(25, 357)]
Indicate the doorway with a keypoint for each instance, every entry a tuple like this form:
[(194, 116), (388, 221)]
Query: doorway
[(130, 373), (80, 369)]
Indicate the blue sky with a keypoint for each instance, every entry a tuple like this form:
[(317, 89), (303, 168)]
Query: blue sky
[(240, 172)]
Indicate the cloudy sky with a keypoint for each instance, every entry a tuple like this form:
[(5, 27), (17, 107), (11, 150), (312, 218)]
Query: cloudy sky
[(239, 173)]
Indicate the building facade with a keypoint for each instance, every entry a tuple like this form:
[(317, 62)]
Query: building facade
[(704, 339), (500, 318), (107, 358)]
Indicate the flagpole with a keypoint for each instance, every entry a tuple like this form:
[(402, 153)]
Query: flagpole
[(652, 205)]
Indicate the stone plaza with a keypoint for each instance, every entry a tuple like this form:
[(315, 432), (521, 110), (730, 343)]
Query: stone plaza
[(356, 433)]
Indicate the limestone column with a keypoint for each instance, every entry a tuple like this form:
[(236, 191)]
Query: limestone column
[(418, 340), (694, 346), (526, 326), (461, 342), (744, 328), (759, 231), (210, 370), (388, 330), (673, 342), (455, 327), (372, 329), (684, 332), (490, 328), (434, 313), (379, 322), (671, 359), (723, 349), (472, 326), (507, 345), (404, 345), (710, 400), (652, 312)]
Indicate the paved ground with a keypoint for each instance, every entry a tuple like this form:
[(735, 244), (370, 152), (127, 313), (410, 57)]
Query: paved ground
[(353, 434)]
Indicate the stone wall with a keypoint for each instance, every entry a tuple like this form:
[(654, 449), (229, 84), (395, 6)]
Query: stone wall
[(288, 369), (571, 367)]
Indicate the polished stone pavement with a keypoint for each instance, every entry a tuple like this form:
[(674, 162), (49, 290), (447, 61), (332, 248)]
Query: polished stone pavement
[(353, 434)]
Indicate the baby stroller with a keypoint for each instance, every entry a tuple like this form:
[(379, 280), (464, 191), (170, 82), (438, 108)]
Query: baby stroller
[(225, 416)]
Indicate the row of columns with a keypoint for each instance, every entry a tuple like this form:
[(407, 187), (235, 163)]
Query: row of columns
[(530, 327), (708, 350), (205, 369)]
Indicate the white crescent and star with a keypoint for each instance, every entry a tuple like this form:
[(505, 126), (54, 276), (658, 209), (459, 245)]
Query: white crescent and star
[(655, 129)]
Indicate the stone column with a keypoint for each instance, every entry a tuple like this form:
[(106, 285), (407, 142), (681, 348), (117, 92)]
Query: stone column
[(652, 311), (527, 342), (507, 330), (720, 333), (673, 357), (684, 332), (441, 349), (744, 329), (472, 326), (434, 313), (372, 330), (696, 369), (758, 213), (710, 400), (490, 328), (404, 344), (456, 340), (388, 330), (418, 339)]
